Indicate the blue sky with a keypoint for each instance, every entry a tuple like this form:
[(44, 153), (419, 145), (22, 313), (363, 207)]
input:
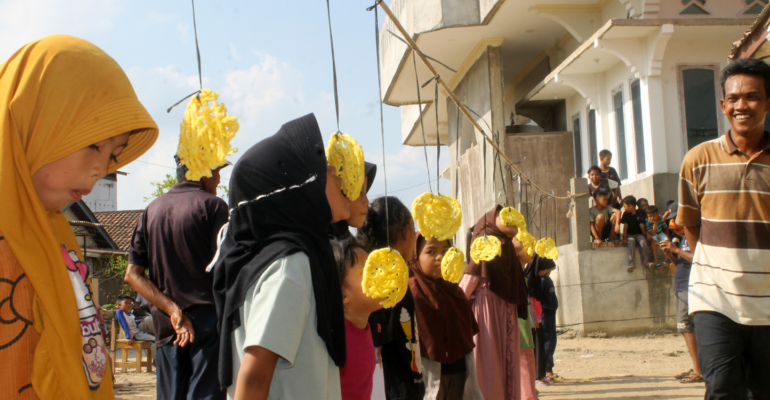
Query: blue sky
[(269, 60)]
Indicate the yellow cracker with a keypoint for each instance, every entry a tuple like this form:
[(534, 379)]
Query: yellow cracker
[(437, 216), (512, 216), (527, 240), (205, 134), (486, 249), (546, 248), (453, 265), (385, 276), (347, 158)]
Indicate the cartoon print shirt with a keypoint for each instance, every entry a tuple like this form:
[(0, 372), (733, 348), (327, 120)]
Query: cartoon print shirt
[(94, 353), (394, 329)]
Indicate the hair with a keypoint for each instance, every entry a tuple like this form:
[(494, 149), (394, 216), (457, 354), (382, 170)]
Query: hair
[(639, 202), (747, 66), (604, 153), (652, 210), (601, 192), (344, 255), (630, 200), (594, 168), (124, 297), (378, 230), (669, 203)]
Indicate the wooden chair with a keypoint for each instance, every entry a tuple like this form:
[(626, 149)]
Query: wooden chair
[(120, 343)]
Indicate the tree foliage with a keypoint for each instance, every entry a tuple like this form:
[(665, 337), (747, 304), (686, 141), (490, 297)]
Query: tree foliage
[(162, 188)]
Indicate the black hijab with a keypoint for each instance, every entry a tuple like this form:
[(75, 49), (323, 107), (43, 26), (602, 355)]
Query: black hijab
[(341, 229), (538, 264), (279, 208)]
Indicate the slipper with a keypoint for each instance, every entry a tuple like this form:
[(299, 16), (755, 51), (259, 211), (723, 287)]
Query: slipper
[(683, 374), (692, 378)]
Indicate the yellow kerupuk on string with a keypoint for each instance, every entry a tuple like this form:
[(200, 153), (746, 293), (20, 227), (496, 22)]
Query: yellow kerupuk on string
[(347, 157), (437, 216), (386, 276), (205, 134), (546, 248)]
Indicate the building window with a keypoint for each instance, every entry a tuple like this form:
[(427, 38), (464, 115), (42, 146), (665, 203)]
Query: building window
[(700, 109), (694, 7), (755, 6), (577, 139), (636, 102), (592, 137), (620, 133)]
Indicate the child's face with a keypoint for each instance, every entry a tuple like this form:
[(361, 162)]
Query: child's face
[(629, 208), (408, 241), (508, 230), (68, 179), (352, 292), (643, 205), (545, 273), (359, 208), (606, 161), (338, 202), (431, 255), (595, 177), (126, 305), (654, 217), (602, 200)]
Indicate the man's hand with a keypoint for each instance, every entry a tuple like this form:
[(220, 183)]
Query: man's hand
[(183, 327), (667, 248), (130, 342)]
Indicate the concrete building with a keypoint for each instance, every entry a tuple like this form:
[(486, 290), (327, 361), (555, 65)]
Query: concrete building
[(557, 81), (104, 196)]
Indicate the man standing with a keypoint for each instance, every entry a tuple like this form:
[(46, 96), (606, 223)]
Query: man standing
[(724, 206), (175, 239)]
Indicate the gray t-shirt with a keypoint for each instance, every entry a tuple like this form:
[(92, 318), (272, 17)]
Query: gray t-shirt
[(594, 212), (278, 314)]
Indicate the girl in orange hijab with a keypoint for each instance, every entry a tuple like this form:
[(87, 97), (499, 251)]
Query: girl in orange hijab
[(68, 117)]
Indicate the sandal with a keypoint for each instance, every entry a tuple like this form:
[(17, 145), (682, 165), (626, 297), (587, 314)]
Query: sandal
[(692, 378), (683, 374)]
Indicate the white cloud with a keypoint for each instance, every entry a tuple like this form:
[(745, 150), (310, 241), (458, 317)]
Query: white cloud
[(184, 31), (22, 21), (234, 53)]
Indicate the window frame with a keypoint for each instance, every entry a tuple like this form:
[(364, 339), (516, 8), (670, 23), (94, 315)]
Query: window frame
[(593, 151), (631, 81), (629, 173), (680, 68), (577, 120)]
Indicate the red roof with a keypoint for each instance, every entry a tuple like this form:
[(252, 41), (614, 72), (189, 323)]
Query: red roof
[(120, 225)]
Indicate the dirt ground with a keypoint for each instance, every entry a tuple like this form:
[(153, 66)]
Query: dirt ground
[(617, 368)]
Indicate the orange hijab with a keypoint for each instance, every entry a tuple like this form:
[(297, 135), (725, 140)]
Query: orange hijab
[(57, 96)]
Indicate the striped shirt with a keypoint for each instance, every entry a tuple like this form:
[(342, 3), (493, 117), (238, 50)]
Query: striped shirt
[(727, 193)]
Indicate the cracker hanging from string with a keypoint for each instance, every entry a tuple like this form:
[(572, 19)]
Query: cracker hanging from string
[(546, 248), (347, 157), (512, 217), (437, 216), (453, 265), (205, 134), (486, 248), (527, 240), (385, 276)]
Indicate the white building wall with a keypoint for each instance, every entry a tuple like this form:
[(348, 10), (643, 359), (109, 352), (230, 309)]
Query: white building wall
[(104, 196)]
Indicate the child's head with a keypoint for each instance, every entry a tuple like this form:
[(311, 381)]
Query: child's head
[(643, 204), (545, 266), (508, 230), (351, 259), (125, 303), (71, 177), (338, 202), (595, 175), (669, 203), (653, 213), (375, 232), (430, 253), (629, 204), (605, 157), (602, 197), (359, 208)]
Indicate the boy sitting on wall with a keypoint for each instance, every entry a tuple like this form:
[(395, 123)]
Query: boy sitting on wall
[(658, 231), (603, 218)]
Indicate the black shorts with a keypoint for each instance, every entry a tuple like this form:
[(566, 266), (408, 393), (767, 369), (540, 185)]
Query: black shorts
[(684, 321)]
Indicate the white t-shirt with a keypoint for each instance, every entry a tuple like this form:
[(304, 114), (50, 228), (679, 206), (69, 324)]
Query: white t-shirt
[(278, 314)]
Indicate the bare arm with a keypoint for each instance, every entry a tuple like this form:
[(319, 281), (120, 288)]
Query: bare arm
[(693, 235), (255, 374), (683, 254), (181, 323), (597, 236)]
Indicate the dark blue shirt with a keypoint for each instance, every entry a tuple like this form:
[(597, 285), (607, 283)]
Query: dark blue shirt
[(682, 275), (611, 174), (550, 301)]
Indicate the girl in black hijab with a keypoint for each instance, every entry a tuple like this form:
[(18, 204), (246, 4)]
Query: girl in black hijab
[(276, 288)]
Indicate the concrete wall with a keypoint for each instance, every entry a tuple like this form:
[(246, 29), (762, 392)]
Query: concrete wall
[(716, 9)]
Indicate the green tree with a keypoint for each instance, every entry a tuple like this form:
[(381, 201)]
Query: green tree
[(162, 187), (226, 191), (117, 270)]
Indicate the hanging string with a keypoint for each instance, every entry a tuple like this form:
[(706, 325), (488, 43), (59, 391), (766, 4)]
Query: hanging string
[(334, 65), (438, 145), (484, 189), (502, 173), (198, 53), (457, 153), (382, 122), (422, 125)]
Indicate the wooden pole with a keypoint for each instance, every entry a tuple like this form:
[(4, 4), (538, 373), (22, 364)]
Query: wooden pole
[(416, 52)]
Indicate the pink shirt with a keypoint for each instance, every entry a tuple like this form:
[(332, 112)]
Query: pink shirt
[(357, 375)]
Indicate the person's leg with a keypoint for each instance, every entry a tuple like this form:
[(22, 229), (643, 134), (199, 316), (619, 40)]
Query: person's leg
[(654, 245), (171, 381), (721, 345), (615, 219), (451, 387), (540, 352), (146, 325), (758, 361), (549, 323), (631, 251), (643, 249), (204, 359), (599, 224), (528, 390), (685, 326)]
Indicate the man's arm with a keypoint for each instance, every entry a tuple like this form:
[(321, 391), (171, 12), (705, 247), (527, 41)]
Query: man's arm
[(693, 235), (625, 231), (181, 323), (255, 374)]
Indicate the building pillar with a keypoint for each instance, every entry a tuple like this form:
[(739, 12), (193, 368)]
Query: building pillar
[(654, 122)]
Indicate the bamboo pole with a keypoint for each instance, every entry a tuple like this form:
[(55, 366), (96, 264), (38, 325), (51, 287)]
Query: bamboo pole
[(417, 52)]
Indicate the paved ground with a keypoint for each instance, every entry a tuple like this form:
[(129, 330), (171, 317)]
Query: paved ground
[(618, 368)]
